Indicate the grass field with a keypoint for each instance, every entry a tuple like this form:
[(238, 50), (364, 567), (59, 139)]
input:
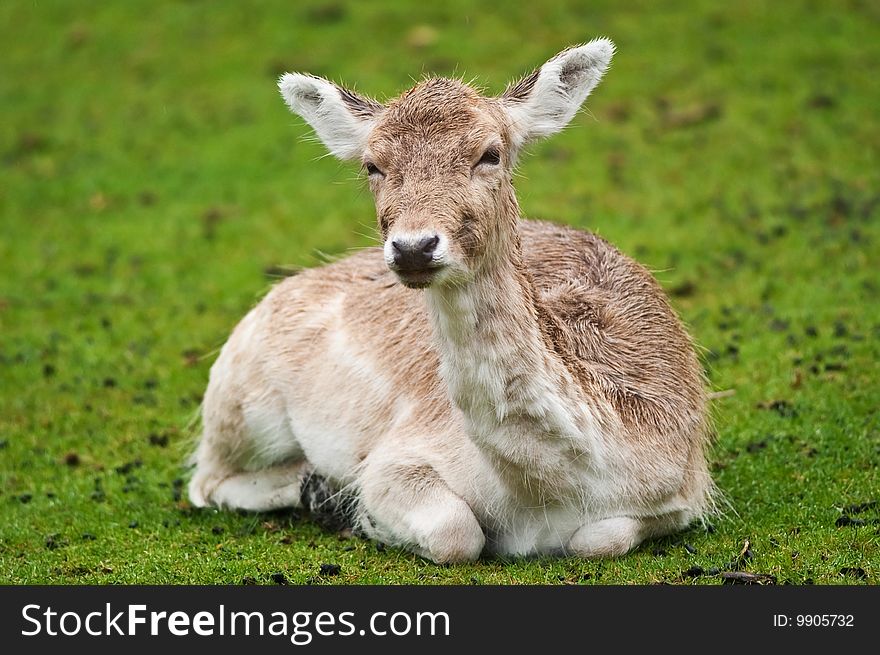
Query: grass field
[(153, 186)]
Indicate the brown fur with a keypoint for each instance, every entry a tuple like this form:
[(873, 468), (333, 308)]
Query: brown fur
[(540, 391)]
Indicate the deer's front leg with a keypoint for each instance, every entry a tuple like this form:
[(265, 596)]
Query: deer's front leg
[(618, 535), (408, 504)]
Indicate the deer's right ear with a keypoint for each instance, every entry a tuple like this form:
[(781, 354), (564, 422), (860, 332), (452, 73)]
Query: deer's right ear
[(340, 118)]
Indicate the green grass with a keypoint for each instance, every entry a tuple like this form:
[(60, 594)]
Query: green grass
[(150, 174)]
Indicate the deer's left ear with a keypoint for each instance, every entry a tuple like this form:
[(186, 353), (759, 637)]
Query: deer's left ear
[(340, 118), (544, 102)]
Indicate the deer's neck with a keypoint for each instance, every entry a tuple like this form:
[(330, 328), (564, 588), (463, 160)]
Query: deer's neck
[(500, 369)]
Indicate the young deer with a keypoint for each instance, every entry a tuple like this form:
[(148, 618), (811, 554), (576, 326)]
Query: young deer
[(481, 381)]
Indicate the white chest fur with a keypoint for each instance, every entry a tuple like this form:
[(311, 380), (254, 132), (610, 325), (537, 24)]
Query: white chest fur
[(521, 406)]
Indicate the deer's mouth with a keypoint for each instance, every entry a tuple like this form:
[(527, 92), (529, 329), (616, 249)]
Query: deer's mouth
[(420, 278)]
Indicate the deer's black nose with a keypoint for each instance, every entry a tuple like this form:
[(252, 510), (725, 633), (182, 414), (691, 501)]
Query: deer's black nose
[(416, 254)]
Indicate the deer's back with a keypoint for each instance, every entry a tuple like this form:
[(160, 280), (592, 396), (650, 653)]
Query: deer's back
[(610, 321)]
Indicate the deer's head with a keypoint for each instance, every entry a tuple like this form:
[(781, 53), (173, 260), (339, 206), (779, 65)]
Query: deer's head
[(440, 157)]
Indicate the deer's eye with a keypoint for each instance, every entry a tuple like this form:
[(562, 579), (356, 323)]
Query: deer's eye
[(492, 157), (372, 169)]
